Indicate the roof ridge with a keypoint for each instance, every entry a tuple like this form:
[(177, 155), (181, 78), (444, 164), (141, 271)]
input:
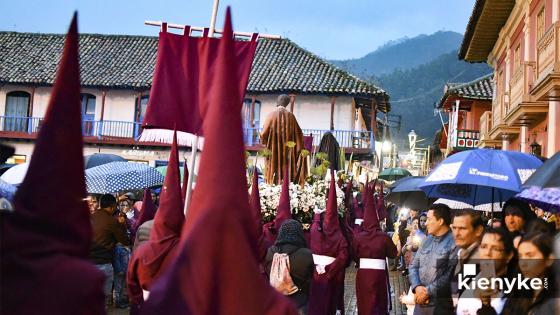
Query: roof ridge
[(480, 79), (80, 34), (331, 65)]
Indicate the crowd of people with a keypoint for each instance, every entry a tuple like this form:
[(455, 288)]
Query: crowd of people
[(431, 248), (435, 246)]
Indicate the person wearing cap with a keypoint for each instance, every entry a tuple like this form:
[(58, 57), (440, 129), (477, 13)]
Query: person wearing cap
[(371, 248)]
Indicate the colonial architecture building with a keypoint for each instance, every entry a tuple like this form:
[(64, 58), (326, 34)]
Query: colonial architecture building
[(521, 41), (116, 76), (465, 104)]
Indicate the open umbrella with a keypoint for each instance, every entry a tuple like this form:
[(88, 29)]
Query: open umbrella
[(480, 176), (97, 159), (121, 176), (7, 192), (163, 171), (392, 174), (457, 205), (543, 187), (406, 193), (15, 174)]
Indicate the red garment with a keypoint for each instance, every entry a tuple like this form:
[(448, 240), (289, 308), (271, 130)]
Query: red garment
[(45, 241), (328, 241), (185, 181), (215, 271), (371, 242), (283, 213), (148, 210), (152, 257), (183, 76), (255, 203)]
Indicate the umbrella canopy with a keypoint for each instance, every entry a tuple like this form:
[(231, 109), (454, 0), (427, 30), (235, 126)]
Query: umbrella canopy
[(163, 171), (480, 176), (406, 193), (97, 159), (15, 174), (407, 184), (7, 192), (119, 176), (457, 205), (392, 174), (543, 187)]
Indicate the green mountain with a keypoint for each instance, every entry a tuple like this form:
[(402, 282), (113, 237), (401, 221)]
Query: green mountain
[(405, 53), (413, 92)]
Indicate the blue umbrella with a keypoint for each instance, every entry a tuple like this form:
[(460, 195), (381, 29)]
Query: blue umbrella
[(407, 184), (406, 193), (480, 176), (97, 159), (121, 176), (7, 192)]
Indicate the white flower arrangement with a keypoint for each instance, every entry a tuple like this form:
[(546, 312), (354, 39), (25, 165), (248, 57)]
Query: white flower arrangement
[(304, 201)]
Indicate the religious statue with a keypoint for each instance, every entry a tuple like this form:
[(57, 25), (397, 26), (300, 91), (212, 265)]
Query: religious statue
[(281, 128)]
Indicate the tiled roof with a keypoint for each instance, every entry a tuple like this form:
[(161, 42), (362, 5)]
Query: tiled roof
[(478, 89), (127, 62)]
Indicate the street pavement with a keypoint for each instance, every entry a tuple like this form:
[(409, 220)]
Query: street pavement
[(399, 284)]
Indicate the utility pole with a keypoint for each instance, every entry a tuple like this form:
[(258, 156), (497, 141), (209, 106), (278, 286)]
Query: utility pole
[(384, 139)]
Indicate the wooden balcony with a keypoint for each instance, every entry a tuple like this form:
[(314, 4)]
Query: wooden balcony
[(547, 83), (500, 106), (523, 108), (485, 125), (126, 133)]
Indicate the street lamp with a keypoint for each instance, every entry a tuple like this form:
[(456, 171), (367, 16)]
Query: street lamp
[(412, 139)]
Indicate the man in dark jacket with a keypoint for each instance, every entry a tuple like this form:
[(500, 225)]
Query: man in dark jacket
[(291, 241), (107, 232)]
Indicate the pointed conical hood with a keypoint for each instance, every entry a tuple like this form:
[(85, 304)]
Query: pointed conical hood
[(169, 218), (215, 271), (371, 222), (255, 206), (185, 180), (284, 211), (153, 256), (348, 194), (381, 209), (148, 210), (331, 215), (45, 242)]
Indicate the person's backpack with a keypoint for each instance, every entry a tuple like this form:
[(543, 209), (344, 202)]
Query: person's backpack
[(280, 278)]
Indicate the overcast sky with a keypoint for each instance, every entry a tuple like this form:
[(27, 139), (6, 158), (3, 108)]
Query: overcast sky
[(332, 29)]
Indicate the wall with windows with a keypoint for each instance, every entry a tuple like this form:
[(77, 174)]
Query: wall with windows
[(314, 111)]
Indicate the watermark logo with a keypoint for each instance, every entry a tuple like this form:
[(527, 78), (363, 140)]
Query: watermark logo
[(486, 279)]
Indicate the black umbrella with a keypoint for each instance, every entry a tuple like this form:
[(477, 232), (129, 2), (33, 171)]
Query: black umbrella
[(543, 187), (546, 176), (406, 193), (97, 159)]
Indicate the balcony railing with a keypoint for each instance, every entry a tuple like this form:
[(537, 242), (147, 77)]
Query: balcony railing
[(548, 54), (467, 139), (345, 138), (21, 126), (485, 125), (499, 106), (90, 128), (520, 86)]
